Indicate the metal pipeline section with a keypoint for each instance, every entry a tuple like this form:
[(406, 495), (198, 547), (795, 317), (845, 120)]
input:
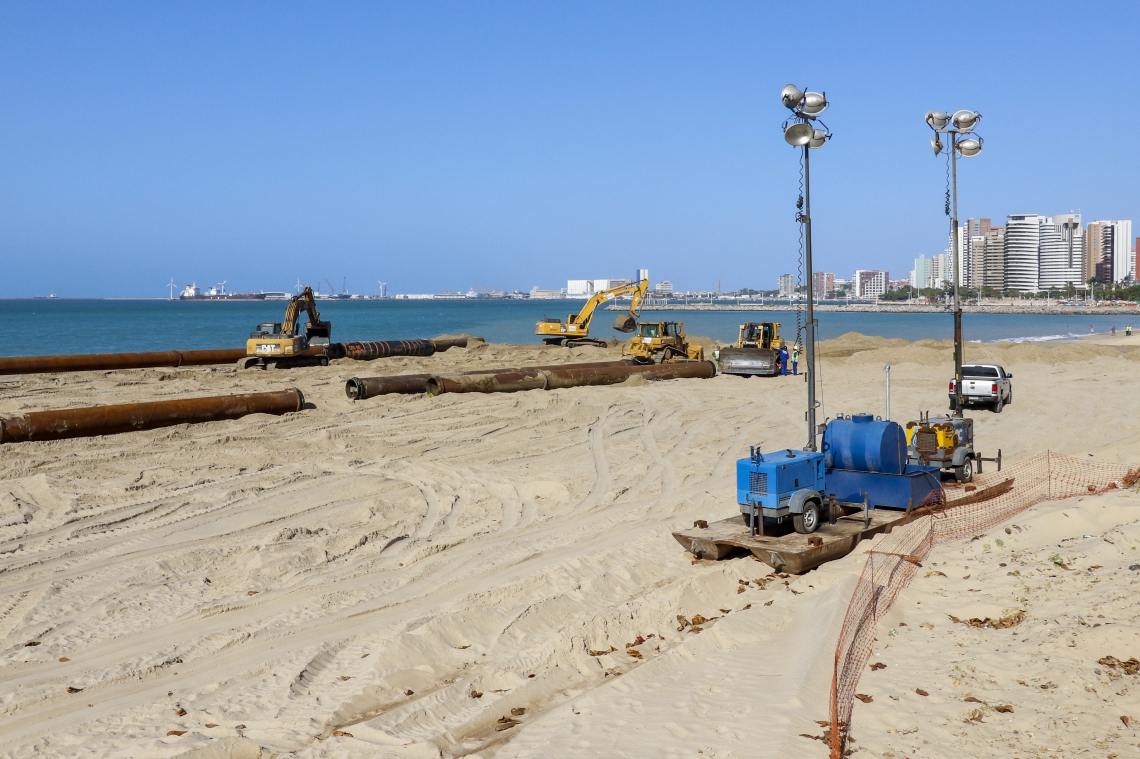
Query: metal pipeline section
[(360, 388), (110, 420), (102, 361), (370, 350), (571, 376), (367, 351)]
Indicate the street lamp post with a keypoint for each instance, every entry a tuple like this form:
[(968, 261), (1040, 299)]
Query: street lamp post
[(800, 132), (961, 123)]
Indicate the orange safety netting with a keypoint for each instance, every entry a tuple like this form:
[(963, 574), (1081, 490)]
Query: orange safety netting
[(893, 562)]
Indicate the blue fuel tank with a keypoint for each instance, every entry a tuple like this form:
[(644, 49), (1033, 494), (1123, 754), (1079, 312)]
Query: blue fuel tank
[(862, 444)]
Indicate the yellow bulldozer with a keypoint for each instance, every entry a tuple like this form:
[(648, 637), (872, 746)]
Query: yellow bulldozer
[(661, 342), (277, 345), (576, 330), (757, 351)]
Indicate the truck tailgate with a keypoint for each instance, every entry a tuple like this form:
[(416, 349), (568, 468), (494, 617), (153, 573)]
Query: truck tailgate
[(978, 387)]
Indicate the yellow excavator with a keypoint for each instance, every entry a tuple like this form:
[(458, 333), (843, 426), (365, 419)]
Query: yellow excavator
[(576, 330), (277, 345)]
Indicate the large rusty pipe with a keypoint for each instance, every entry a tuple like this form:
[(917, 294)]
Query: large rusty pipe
[(373, 349), (369, 350), (93, 362), (459, 341), (100, 361), (360, 388), (109, 420), (572, 376)]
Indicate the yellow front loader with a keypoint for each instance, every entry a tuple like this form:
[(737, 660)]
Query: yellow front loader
[(576, 330)]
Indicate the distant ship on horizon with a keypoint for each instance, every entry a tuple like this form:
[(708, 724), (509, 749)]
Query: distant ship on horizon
[(218, 292)]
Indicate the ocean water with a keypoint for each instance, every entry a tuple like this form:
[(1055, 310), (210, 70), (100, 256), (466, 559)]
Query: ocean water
[(45, 327)]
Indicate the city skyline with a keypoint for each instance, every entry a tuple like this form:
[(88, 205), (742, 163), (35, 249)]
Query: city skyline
[(443, 146)]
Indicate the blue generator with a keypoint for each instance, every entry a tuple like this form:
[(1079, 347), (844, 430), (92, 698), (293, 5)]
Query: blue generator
[(780, 484), (863, 463)]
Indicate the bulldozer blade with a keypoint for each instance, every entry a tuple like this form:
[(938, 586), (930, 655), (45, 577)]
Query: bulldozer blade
[(625, 323), (748, 361)]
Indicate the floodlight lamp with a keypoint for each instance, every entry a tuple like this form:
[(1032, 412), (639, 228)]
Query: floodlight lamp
[(814, 103), (936, 144), (818, 137), (971, 146), (965, 120), (799, 134), (937, 119), (791, 96)]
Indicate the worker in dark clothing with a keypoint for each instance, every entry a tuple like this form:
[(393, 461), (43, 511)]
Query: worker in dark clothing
[(784, 360)]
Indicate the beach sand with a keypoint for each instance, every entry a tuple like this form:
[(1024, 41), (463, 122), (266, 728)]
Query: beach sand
[(494, 575)]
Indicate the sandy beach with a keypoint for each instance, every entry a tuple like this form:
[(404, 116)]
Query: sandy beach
[(494, 575)]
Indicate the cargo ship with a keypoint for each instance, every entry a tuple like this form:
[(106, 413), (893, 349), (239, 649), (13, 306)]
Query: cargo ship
[(218, 292)]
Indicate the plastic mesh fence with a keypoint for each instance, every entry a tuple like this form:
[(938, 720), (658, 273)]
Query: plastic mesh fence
[(893, 562)]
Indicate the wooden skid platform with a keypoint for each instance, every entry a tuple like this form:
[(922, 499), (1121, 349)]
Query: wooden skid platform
[(781, 547), (785, 550)]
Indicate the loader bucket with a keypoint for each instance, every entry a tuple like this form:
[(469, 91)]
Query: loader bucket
[(625, 323)]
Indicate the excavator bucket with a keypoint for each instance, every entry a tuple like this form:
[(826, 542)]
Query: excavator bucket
[(625, 323)]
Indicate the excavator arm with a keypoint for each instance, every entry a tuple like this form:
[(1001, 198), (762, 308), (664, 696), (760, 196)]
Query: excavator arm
[(628, 323), (577, 326), (318, 332), (624, 323)]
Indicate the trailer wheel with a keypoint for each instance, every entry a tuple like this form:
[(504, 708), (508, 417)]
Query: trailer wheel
[(965, 473), (807, 522)]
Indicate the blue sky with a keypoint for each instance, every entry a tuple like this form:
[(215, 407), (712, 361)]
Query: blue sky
[(503, 145)]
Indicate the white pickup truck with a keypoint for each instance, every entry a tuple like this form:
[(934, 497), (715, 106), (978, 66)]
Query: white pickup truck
[(984, 385)]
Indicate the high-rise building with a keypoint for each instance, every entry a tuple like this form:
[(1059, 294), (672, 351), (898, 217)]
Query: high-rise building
[(869, 283), (1022, 252), (974, 252), (993, 267), (1108, 253), (787, 286), (822, 284), (1118, 240), (1050, 252), (1094, 250), (642, 274), (1060, 247), (921, 277)]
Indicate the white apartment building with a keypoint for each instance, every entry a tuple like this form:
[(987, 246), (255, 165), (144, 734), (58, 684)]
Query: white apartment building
[(787, 286), (1044, 252), (1060, 250), (664, 287), (869, 283), (1022, 251)]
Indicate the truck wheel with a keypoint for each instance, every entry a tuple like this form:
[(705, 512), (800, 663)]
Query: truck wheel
[(953, 405), (965, 473), (998, 405), (807, 522), (1009, 400)]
